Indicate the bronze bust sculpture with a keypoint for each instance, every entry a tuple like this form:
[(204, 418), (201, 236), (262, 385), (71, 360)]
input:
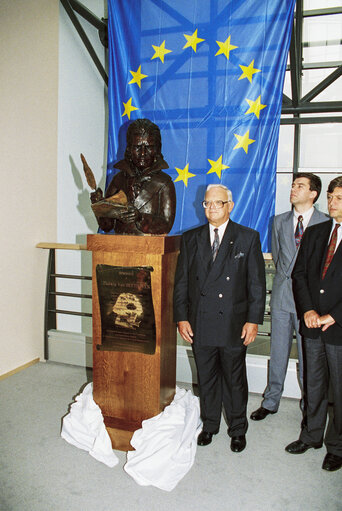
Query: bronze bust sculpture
[(146, 195)]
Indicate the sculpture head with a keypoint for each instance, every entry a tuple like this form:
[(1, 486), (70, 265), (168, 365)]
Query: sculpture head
[(143, 144)]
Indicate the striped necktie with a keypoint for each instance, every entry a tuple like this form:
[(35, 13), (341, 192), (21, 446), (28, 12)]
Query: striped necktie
[(216, 244)]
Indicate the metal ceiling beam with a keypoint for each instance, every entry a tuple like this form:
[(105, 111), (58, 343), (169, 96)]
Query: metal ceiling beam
[(319, 65), (322, 85), (88, 15), (67, 6), (322, 12), (294, 71), (286, 100), (315, 107), (322, 65), (310, 120), (297, 105)]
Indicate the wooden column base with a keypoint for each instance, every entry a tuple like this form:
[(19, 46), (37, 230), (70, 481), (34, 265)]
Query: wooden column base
[(120, 439), (132, 386)]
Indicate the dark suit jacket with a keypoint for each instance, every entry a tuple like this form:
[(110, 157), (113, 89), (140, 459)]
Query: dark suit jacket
[(218, 298), (313, 293)]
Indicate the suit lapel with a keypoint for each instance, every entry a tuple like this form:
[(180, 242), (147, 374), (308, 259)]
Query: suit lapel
[(226, 247), (321, 245), (289, 235), (289, 232), (204, 247), (313, 217), (337, 256)]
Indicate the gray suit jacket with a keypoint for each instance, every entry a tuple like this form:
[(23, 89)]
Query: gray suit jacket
[(284, 254)]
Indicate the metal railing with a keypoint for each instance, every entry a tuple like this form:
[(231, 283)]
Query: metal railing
[(51, 311)]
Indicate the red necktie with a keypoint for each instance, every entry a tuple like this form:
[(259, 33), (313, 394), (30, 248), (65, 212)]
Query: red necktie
[(331, 250)]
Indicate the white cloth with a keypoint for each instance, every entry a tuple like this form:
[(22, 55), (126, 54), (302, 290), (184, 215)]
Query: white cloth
[(165, 446), (84, 428)]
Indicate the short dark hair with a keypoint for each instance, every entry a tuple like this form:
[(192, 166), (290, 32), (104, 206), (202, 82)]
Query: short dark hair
[(337, 182), (315, 182), (143, 127)]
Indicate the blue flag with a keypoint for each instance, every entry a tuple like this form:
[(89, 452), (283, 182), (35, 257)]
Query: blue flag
[(210, 74)]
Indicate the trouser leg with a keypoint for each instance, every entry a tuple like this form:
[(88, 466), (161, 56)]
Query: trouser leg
[(300, 353), (316, 391), (210, 386), (235, 388), (333, 436), (281, 342)]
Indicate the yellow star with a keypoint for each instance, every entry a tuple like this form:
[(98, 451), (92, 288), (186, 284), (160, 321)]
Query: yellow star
[(243, 141), (217, 166), (192, 40), (255, 106), (184, 175), (129, 108), (225, 47), (160, 52), (248, 71), (137, 76)]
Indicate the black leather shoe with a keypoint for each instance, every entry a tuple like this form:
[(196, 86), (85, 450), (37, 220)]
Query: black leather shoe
[(299, 447), (260, 414), (238, 443), (205, 438), (332, 462)]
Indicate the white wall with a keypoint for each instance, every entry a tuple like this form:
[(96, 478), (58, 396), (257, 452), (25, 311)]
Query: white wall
[(82, 128), (28, 128)]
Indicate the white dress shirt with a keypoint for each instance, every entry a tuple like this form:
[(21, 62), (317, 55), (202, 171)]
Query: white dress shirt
[(306, 218), (221, 231)]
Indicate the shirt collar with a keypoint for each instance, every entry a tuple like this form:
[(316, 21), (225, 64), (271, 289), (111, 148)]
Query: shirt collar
[(221, 229), (306, 215)]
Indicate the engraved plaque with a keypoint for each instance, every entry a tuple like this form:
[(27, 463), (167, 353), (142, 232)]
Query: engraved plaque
[(126, 307)]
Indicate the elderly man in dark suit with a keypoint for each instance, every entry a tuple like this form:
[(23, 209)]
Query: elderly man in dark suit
[(219, 299), (317, 278)]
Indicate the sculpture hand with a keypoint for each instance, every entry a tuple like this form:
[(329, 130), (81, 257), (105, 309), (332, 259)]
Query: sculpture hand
[(130, 216), (96, 196)]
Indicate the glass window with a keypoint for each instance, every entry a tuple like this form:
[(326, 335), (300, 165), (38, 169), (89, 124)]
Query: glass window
[(312, 77), (309, 5), (322, 38), (284, 182), (320, 146), (285, 147)]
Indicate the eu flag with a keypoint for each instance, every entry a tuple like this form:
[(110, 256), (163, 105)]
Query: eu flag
[(210, 74)]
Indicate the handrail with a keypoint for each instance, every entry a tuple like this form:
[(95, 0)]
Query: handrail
[(62, 246), (51, 310)]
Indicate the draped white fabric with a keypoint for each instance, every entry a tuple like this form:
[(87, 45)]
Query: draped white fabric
[(165, 446), (84, 428)]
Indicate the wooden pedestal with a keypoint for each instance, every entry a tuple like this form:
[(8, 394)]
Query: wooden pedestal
[(131, 387)]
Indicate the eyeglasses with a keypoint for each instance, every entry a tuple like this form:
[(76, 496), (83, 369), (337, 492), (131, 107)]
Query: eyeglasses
[(217, 204)]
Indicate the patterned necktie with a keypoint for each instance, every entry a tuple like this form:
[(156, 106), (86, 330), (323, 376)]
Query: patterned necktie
[(299, 231), (331, 250), (216, 244)]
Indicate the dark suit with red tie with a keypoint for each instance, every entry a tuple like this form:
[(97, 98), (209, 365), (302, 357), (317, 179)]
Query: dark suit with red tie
[(218, 298), (322, 349)]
